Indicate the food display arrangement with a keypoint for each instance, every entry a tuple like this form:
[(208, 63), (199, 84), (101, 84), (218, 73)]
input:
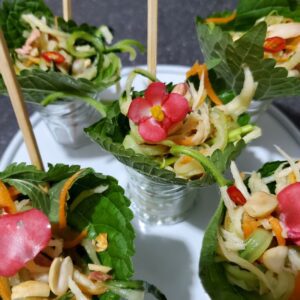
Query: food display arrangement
[(67, 231)]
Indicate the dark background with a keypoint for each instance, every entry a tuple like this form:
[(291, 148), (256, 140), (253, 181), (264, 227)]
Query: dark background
[(177, 41)]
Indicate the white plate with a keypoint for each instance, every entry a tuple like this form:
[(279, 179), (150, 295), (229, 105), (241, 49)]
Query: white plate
[(165, 255)]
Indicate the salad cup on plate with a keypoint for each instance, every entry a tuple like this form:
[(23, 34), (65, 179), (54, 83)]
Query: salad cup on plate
[(66, 234), (152, 131), (262, 34), (58, 60), (251, 246)]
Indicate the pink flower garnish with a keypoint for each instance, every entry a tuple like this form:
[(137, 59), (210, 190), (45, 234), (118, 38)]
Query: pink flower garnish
[(289, 207), (157, 111), (22, 236)]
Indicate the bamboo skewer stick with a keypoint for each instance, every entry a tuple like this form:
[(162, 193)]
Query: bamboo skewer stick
[(152, 36), (17, 101), (67, 10)]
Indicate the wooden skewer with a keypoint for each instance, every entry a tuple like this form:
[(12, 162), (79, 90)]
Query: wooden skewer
[(67, 10), (152, 36), (16, 97)]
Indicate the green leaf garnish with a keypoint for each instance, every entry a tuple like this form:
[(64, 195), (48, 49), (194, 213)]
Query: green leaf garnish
[(248, 50)]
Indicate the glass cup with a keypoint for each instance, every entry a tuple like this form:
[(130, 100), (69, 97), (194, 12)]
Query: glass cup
[(66, 121), (257, 108), (157, 203)]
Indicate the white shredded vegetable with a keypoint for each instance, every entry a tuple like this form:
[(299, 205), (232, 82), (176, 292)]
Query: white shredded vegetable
[(256, 184), (241, 102), (238, 181), (34, 22), (291, 161), (294, 259), (227, 201), (254, 134), (244, 264), (232, 241), (284, 30)]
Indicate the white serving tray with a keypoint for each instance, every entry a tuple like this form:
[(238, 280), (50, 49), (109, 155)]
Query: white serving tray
[(167, 256)]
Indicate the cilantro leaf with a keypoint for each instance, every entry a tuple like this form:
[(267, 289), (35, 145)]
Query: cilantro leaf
[(218, 44), (110, 132)]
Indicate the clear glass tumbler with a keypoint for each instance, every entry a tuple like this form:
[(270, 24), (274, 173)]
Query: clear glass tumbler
[(66, 121), (257, 108), (159, 203)]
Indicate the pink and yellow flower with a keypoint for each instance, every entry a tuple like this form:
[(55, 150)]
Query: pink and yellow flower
[(157, 112)]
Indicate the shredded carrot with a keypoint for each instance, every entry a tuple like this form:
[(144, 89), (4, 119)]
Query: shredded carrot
[(293, 41), (73, 243), (62, 220), (221, 20), (5, 292), (186, 159), (198, 69), (6, 202), (296, 292), (14, 193), (249, 225), (277, 229), (183, 140), (281, 59)]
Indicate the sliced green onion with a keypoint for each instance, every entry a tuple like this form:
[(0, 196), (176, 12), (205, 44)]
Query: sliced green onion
[(256, 244), (236, 134), (81, 35), (100, 107)]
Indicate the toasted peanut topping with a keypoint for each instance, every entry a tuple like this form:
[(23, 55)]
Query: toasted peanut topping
[(100, 268), (274, 258), (61, 269), (260, 204), (100, 242), (30, 288)]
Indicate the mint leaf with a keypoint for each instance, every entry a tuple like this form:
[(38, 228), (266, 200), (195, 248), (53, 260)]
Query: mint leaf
[(110, 132), (23, 171), (102, 214), (59, 172), (272, 82), (248, 12), (54, 193), (10, 19), (29, 181)]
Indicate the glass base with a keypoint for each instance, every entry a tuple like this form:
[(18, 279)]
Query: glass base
[(159, 203), (66, 121)]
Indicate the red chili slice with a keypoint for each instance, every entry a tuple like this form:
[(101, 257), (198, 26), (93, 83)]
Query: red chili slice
[(53, 56), (22, 236), (235, 195), (274, 44)]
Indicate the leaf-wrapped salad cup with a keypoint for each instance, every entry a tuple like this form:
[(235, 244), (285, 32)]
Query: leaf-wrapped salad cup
[(251, 247), (151, 131), (262, 34), (66, 234), (59, 60)]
